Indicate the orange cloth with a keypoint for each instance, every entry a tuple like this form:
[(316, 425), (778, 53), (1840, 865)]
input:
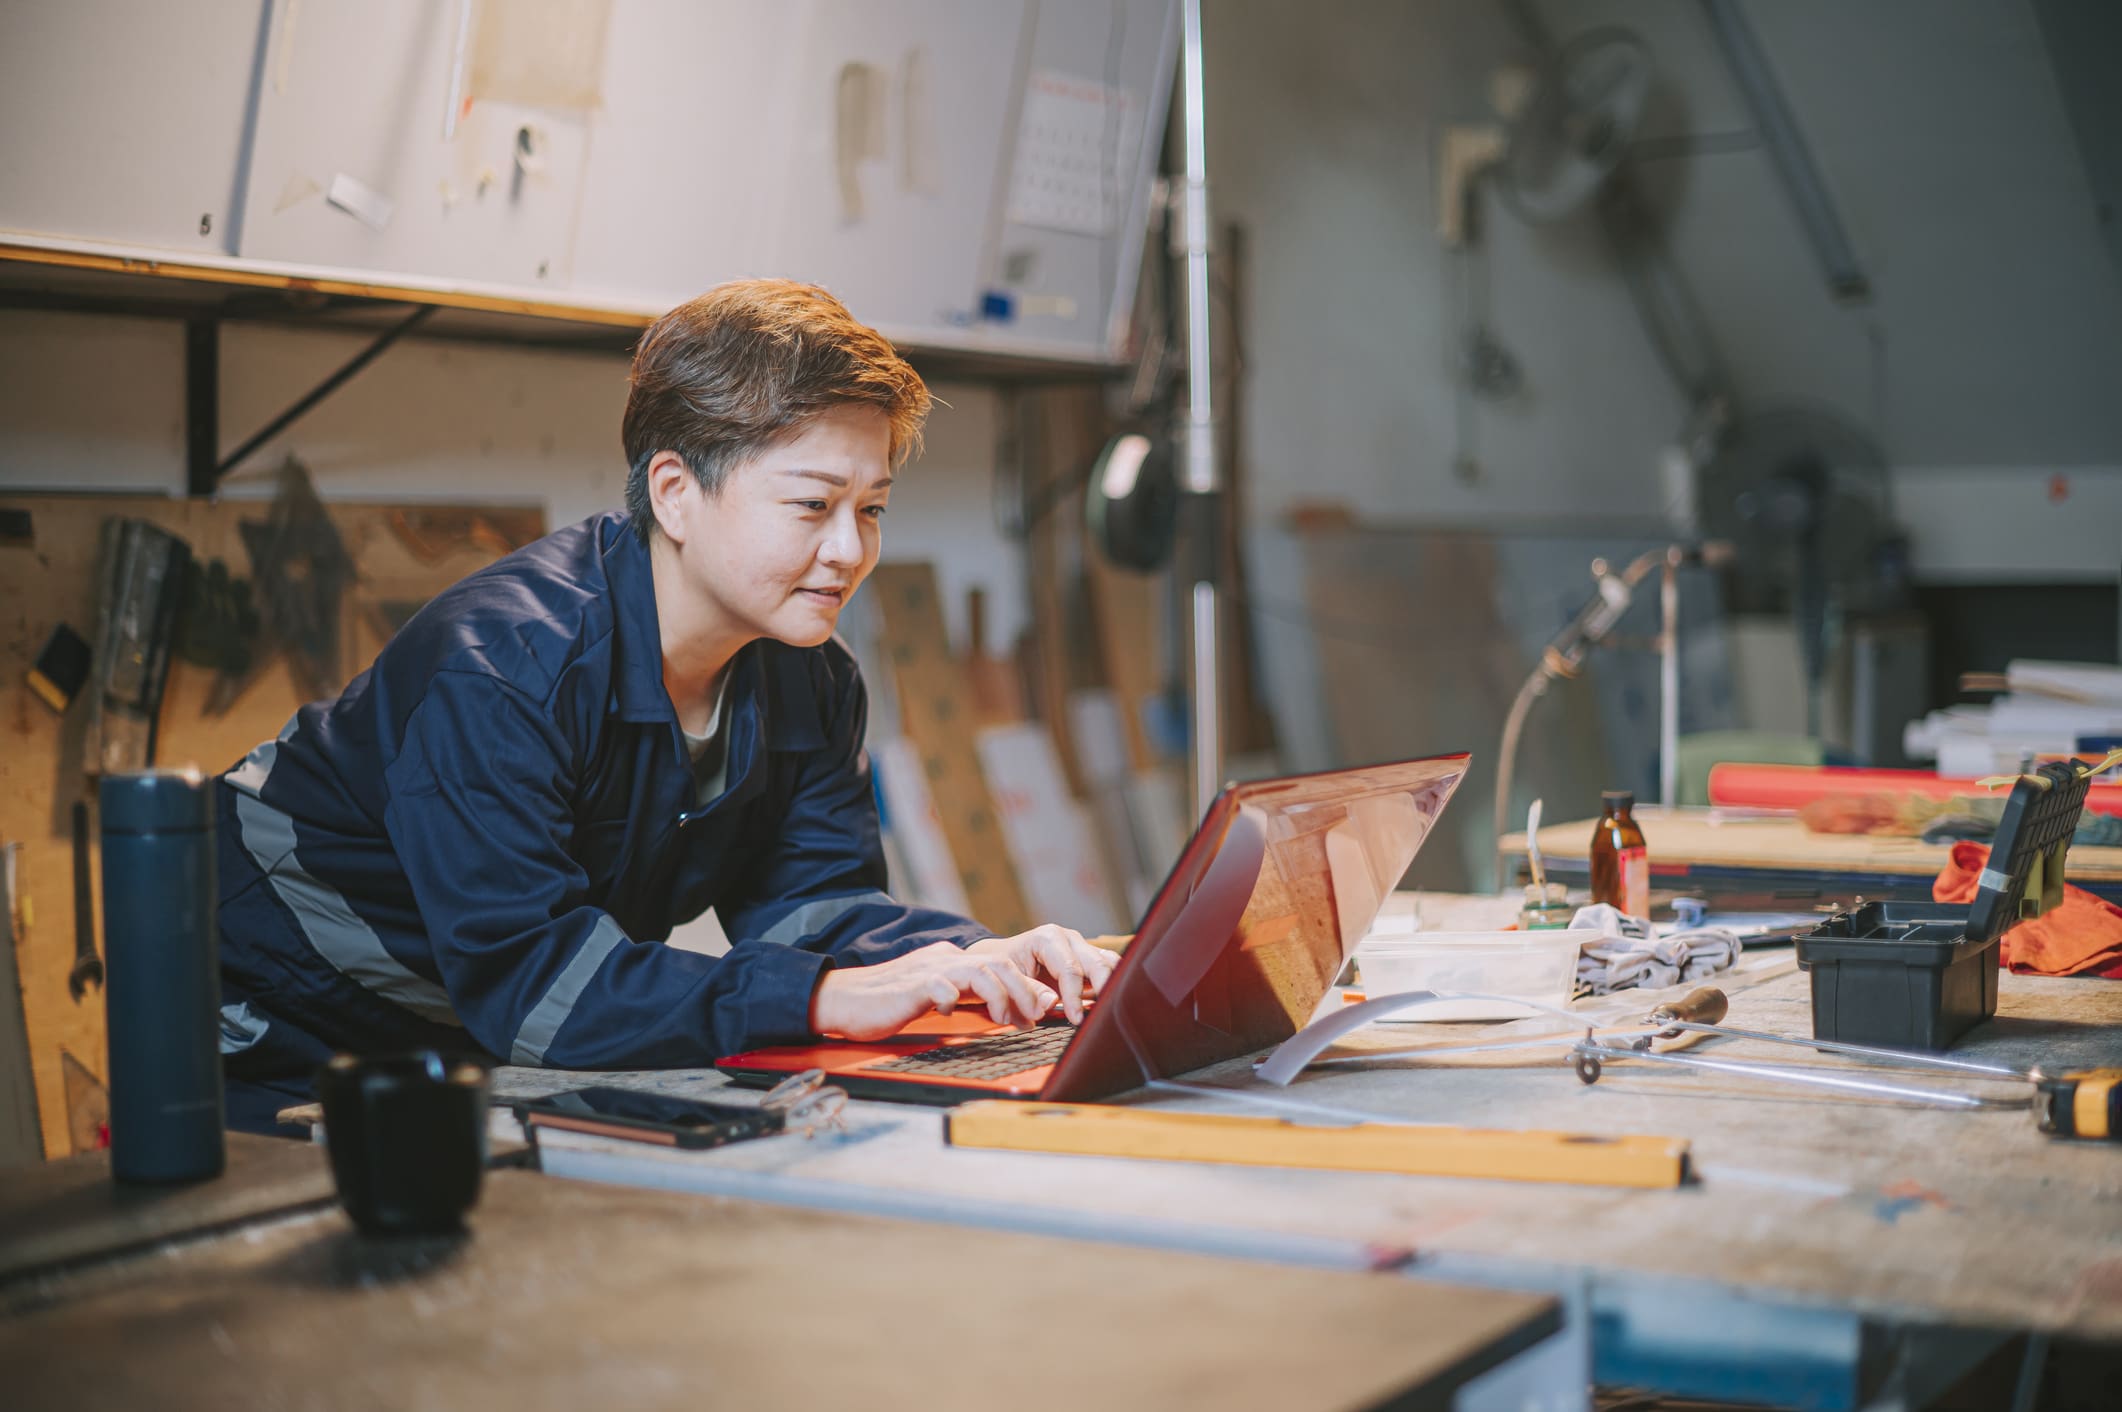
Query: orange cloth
[(2083, 937)]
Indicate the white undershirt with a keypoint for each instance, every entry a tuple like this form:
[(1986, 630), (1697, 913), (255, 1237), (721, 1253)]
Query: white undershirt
[(709, 750)]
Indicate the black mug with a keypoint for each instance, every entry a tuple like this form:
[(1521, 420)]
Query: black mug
[(407, 1135)]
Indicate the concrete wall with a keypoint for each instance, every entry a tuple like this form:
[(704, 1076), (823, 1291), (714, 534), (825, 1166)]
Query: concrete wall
[(1985, 365)]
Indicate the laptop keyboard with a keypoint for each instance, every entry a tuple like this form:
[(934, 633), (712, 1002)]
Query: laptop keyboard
[(994, 1058)]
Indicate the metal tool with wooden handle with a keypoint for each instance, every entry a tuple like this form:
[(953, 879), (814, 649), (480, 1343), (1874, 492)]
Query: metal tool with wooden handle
[(1700, 1011), (2085, 1104), (1704, 1006)]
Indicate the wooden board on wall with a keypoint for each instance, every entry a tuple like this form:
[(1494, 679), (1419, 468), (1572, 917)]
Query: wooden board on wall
[(400, 554), (1132, 611), (936, 712), (1065, 428)]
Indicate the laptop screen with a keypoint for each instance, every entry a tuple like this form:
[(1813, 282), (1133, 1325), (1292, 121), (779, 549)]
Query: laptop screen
[(1279, 883)]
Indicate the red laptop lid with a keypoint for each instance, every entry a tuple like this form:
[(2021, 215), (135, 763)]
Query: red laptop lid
[(1272, 894)]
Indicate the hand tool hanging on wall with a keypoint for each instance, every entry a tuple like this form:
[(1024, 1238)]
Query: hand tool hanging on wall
[(140, 588), (88, 966), (61, 668), (220, 631), (301, 568)]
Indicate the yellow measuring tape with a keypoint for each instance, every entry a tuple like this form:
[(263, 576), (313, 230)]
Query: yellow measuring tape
[(2091, 1102)]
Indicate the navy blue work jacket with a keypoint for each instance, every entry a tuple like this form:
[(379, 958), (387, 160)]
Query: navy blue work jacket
[(490, 833)]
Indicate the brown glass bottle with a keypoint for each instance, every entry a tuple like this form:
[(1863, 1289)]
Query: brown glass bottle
[(1620, 861)]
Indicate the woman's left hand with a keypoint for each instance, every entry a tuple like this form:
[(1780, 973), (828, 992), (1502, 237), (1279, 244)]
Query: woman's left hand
[(1072, 964)]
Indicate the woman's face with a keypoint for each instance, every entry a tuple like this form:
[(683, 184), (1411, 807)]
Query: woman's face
[(793, 531)]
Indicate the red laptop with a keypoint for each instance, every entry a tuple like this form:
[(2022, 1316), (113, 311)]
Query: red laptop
[(1266, 902)]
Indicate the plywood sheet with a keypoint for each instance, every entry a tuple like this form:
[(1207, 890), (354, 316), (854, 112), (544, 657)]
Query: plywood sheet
[(1419, 659), (936, 713), (1066, 425), (1132, 610), (401, 555)]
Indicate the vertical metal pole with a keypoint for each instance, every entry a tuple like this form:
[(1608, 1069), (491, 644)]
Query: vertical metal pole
[(1669, 680), (1201, 478)]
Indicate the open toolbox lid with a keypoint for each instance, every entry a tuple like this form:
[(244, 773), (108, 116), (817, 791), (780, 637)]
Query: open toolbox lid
[(2024, 875)]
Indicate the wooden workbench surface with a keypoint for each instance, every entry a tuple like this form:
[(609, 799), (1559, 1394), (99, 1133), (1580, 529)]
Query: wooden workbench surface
[(55, 1213), (1911, 1214), (570, 1296), (1702, 838)]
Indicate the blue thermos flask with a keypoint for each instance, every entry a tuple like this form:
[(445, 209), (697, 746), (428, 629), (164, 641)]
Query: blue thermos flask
[(161, 950)]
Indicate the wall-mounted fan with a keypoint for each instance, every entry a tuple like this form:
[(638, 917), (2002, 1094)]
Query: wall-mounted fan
[(1574, 131), (1569, 149)]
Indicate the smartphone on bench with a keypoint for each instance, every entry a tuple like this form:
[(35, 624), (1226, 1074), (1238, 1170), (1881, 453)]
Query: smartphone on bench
[(648, 1117)]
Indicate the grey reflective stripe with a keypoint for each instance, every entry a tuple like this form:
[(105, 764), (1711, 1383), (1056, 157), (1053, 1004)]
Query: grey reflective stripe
[(249, 776), (240, 1029), (333, 928), (813, 916), (551, 1012)]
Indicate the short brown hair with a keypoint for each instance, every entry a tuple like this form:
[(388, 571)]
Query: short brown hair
[(728, 374)]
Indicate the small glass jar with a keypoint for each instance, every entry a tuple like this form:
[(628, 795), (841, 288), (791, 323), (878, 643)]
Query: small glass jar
[(1546, 908)]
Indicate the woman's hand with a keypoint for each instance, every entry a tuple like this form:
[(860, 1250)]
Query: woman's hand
[(870, 1002), (1072, 964)]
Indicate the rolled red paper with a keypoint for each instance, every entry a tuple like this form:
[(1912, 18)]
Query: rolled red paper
[(1736, 786)]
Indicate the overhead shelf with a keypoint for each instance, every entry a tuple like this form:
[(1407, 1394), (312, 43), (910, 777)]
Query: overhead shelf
[(38, 272)]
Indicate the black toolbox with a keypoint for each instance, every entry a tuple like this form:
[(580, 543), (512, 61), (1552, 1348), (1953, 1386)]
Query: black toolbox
[(1918, 975)]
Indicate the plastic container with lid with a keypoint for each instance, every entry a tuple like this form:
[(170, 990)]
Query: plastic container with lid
[(1537, 966), (1918, 975)]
